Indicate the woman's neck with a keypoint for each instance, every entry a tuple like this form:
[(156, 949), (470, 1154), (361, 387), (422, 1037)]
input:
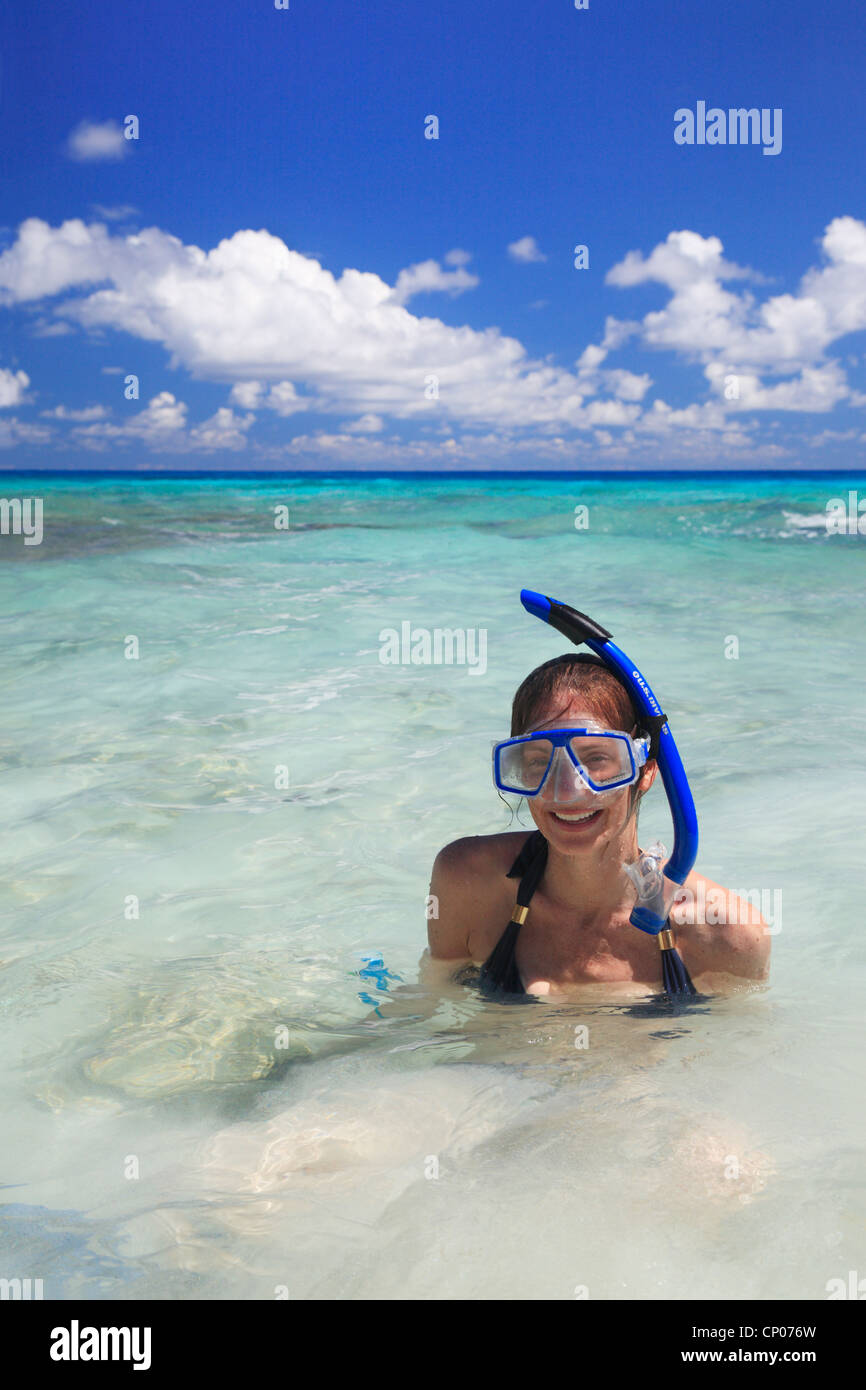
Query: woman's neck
[(592, 883)]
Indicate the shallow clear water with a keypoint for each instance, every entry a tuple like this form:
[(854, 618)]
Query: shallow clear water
[(161, 1141)]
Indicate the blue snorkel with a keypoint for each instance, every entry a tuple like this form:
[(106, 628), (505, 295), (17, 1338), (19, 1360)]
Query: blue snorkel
[(651, 913)]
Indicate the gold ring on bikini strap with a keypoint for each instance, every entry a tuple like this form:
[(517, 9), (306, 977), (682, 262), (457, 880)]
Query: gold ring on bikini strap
[(666, 940), (520, 914)]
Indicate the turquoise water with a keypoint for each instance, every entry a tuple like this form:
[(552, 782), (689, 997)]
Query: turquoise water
[(200, 845)]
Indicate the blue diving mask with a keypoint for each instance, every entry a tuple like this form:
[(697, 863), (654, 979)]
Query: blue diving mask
[(567, 763)]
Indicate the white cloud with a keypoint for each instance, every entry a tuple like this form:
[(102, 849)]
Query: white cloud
[(162, 427), (428, 276), (611, 413), (290, 337), (683, 259), (14, 431), (13, 386), (617, 332), (626, 386), (368, 424), (682, 445), (814, 389), (281, 397), (251, 310), (62, 412), (224, 430), (46, 328), (662, 418), (733, 335), (115, 214), (818, 441), (247, 394), (526, 249), (91, 141)]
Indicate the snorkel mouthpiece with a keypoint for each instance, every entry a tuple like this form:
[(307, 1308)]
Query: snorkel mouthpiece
[(656, 890)]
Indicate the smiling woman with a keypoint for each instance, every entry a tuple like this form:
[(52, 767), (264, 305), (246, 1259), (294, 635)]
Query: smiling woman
[(584, 750)]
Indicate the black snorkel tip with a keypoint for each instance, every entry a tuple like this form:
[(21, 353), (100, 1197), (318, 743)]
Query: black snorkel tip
[(567, 620)]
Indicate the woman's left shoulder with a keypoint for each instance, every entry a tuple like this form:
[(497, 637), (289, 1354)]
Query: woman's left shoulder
[(723, 929)]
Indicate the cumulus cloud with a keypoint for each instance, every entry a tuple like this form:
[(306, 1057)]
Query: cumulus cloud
[(14, 431), (738, 339), (62, 412), (688, 446), (91, 141), (122, 213), (626, 386), (683, 259), (817, 441), (814, 389), (368, 424), (162, 427), (13, 386), (280, 397), (428, 276), (526, 249), (247, 394), (48, 328), (289, 336), (253, 311)]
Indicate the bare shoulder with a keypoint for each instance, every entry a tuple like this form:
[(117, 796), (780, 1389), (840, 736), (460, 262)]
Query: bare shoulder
[(474, 852), (721, 930), (468, 887)]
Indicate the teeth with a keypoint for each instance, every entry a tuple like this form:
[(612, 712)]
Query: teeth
[(586, 815)]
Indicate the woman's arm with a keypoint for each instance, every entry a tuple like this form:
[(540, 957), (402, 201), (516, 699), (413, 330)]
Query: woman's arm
[(453, 889)]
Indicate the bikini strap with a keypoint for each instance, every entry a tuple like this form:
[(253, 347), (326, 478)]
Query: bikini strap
[(531, 847), (532, 872), (499, 973)]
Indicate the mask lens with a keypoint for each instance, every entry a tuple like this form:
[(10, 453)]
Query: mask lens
[(605, 760), (522, 766)]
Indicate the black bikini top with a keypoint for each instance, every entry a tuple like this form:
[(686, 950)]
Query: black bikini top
[(500, 977)]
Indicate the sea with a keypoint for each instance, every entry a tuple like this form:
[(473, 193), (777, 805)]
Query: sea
[(232, 745)]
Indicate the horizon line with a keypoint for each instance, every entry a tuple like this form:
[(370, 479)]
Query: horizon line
[(546, 473)]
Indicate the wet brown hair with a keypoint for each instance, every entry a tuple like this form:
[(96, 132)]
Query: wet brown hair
[(563, 677)]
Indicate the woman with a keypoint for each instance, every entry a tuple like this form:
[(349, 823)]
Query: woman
[(578, 931)]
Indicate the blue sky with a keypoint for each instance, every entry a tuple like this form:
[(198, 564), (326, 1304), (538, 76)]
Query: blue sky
[(298, 278)]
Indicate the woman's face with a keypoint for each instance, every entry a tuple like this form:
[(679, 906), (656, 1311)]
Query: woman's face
[(570, 815)]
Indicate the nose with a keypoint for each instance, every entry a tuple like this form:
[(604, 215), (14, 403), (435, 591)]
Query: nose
[(564, 784)]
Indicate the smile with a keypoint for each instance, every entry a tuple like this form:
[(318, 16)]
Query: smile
[(575, 817)]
